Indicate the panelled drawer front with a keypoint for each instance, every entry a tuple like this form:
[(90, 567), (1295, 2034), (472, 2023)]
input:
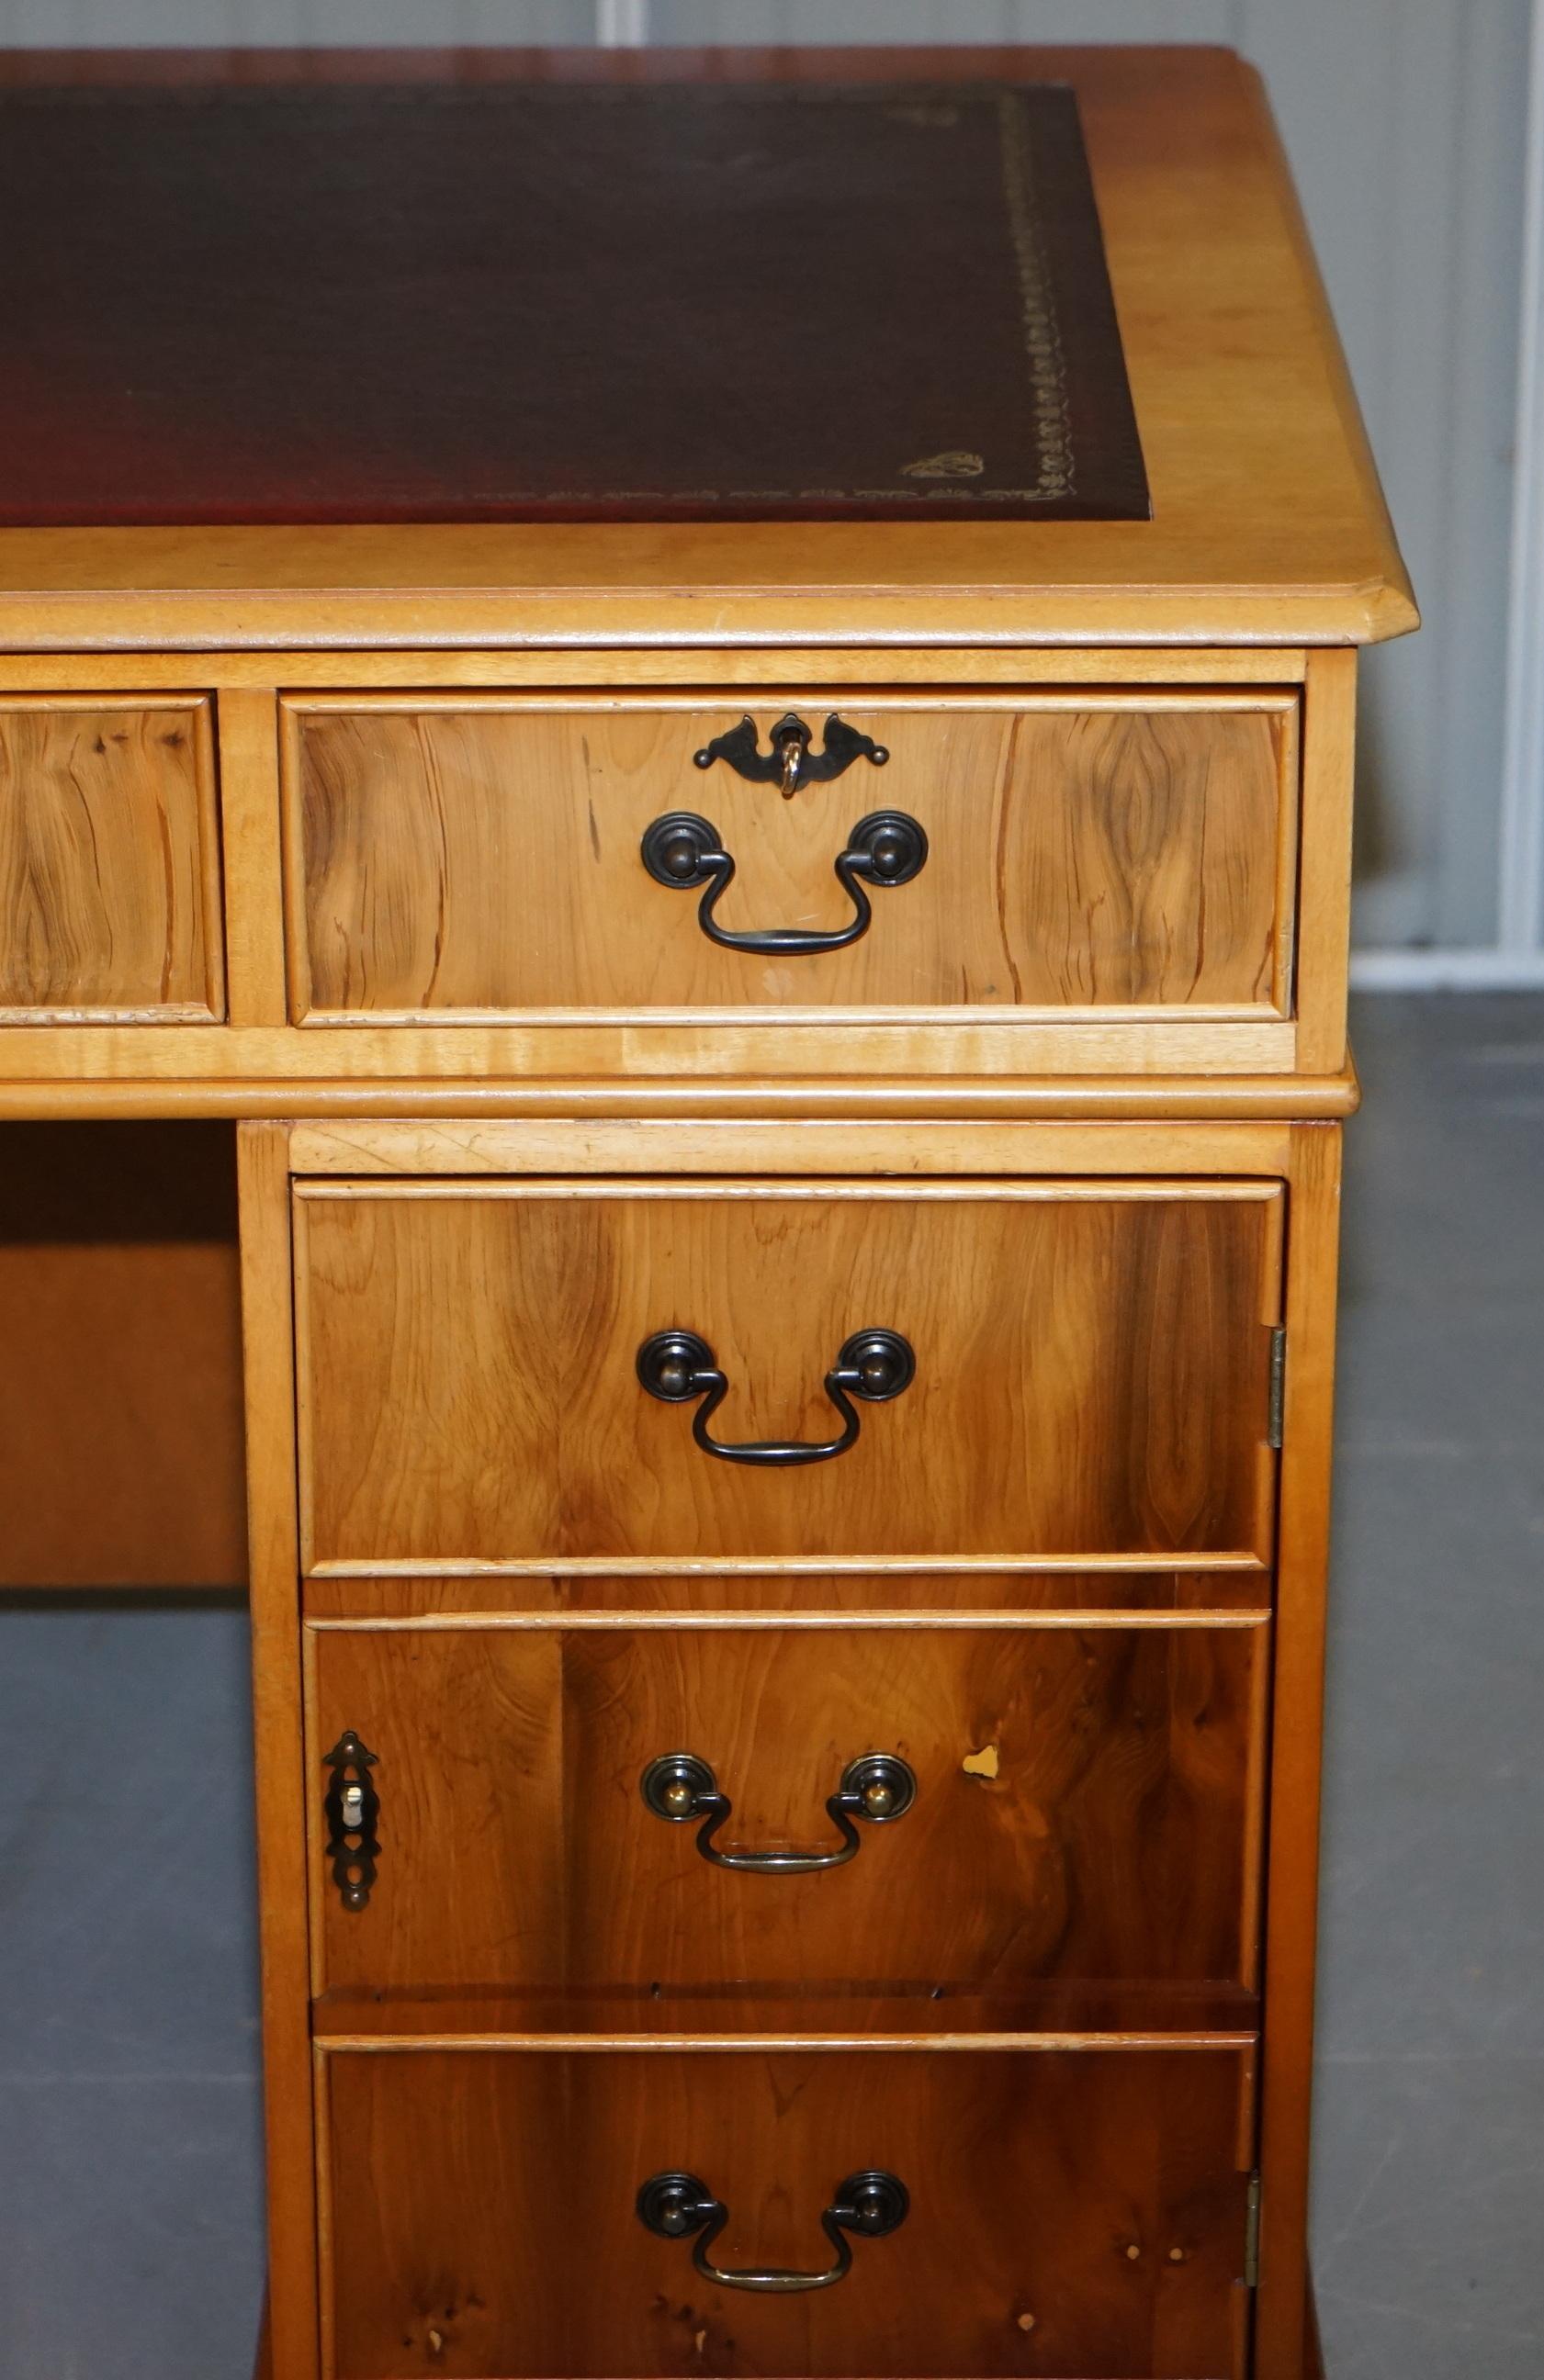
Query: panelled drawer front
[(109, 860), (1092, 1371), (1086, 1804), (1077, 2213), (1100, 851)]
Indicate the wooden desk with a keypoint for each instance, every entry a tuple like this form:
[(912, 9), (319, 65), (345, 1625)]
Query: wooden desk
[(990, 1235)]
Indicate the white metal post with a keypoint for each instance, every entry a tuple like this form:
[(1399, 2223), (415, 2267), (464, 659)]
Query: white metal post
[(622, 24)]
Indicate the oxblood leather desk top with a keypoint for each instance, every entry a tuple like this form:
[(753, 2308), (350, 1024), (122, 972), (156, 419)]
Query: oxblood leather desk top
[(347, 485), (503, 301)]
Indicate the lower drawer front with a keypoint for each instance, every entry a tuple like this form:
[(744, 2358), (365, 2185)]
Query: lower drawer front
[(1078, 1802), (1088, 1371), (1072, 2213)]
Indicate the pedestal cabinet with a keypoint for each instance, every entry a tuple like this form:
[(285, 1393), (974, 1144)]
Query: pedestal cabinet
[(713, 698)]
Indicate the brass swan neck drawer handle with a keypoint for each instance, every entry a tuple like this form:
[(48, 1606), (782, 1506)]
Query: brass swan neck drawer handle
[(678, 2207), (682, 1788), (683, 851), (676, 1366)]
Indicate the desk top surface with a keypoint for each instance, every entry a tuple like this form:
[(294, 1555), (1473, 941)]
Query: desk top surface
[(167, 496), (524, 301)]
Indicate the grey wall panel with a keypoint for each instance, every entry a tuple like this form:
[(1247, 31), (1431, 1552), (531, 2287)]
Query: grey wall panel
[(832, 20), (1125, 20), (111, 24), (1404, 120), (538, 20), (941, 20), (1406, 125)]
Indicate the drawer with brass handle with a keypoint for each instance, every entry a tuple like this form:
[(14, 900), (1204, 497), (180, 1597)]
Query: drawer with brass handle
[(800, 2214), (493, 1373), (511, 1807), (1114, 851)]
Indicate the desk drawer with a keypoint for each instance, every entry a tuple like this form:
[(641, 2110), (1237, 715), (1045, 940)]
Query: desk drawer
[(1103, 852), (1013, 1803), (1077, 2213), (109, 861), (1032, 1370)]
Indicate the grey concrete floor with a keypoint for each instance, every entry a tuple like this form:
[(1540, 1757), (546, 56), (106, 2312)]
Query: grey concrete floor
[(129, 2156), (1430, 2207)]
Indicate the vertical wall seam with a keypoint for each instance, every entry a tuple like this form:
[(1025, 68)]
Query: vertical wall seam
[(1520, 901)]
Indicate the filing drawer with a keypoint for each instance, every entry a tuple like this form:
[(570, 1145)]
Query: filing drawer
[(1092, 1371), (1110, 851), (1076, 1800), (1076, 2213), (109, 861)]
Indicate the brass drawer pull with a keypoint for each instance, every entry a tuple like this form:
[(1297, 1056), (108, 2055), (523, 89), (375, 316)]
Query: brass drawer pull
[(677, 2206), (676, 1366), (790, 763), (683, 851), (683, 1790)]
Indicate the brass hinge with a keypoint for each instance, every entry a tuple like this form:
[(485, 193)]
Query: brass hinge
[(1251, 2235), (1276, 1394)]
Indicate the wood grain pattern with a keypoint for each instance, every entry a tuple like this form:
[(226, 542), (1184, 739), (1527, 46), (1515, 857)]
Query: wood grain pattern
[(1091, 1370), (235, 1091), (120, 1396), (279, 1749), (121, 1418), (1054, 1596), (1328, 770), (1072, 2215), (867, 1146), (257, 1064), (460, 859), (254, 875), (1293, 1904), (989, 1058), (659, 2019), (109, 861), (1104, 1831), (322, 1063), (422, 668)]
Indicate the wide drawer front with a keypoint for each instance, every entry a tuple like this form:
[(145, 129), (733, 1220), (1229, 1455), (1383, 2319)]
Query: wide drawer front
[(1078, 2212), (525, 1373), (109, 861), (764, 1807), (1097, 851)]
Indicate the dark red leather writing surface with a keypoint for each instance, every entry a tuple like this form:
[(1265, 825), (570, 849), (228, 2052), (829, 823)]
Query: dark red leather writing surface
[(524, 301)]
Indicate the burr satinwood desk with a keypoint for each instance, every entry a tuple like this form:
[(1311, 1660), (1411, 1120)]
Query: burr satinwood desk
[(706, 702)]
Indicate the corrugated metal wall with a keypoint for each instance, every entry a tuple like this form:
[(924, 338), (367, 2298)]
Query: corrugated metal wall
[(1405, 120)]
